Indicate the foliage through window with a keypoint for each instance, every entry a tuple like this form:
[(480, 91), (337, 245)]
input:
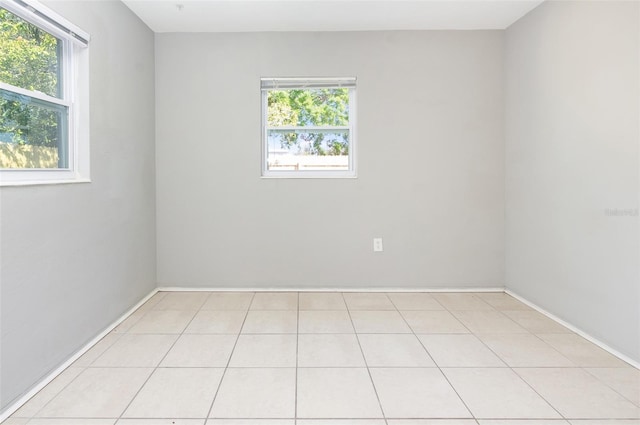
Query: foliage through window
[(38, 59), (308, 127)]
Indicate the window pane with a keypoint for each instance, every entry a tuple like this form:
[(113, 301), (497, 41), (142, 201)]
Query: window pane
[(308, 107), (30, 58), (33, 133), (308, 151)]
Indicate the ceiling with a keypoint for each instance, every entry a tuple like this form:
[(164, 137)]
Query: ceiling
[(327, 15)]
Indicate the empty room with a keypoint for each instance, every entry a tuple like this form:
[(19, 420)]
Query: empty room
[(319, 212)]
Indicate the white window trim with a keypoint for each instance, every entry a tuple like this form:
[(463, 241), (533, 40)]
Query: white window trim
[(301, 174), (76, 97)]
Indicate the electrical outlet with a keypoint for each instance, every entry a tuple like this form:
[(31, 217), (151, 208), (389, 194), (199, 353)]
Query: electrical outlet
[(377, 245)]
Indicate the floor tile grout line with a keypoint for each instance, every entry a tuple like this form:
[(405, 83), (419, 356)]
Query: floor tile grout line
[(475, 335), (452, 310), (224, 372), (585, 369), (364, 358), (512, 320), (512, 368), (496, 354), (434, 362), (321, 419), (343, 367), (536, 391), (414, 334), (469, 331), (144, 313), (35, 415), (430, 295), (161, 295), (524, 421), (557, 350), (159, 363), (203, 302), (508, 366), (84, 368), (206, 300), (344, 419), (545, 343), (364, 333), (526, 331)]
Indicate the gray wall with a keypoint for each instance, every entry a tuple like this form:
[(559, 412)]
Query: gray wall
[(76, 257), (430, 163), (572, 136), (431, 176)]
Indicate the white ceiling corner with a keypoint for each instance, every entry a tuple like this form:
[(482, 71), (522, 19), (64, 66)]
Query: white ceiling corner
[(327, 15)]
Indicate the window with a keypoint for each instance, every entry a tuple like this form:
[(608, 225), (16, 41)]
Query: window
[(308, 127), (43, 96)]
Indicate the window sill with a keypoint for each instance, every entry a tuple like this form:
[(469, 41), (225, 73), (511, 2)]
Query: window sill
[(9, 183), (308, 176)]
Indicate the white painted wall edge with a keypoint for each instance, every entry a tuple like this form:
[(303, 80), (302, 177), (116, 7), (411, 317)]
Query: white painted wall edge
[(325, 289), (50, 377), (575, 329)]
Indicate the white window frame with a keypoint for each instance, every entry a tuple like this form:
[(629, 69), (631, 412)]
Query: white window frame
[(75, 96), (274, 83)]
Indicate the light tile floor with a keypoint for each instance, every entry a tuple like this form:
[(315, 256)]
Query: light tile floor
[(214, 358)]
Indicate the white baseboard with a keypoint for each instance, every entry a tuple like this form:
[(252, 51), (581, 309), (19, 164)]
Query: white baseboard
[(51, 376), (575, 329), (324, 289)]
